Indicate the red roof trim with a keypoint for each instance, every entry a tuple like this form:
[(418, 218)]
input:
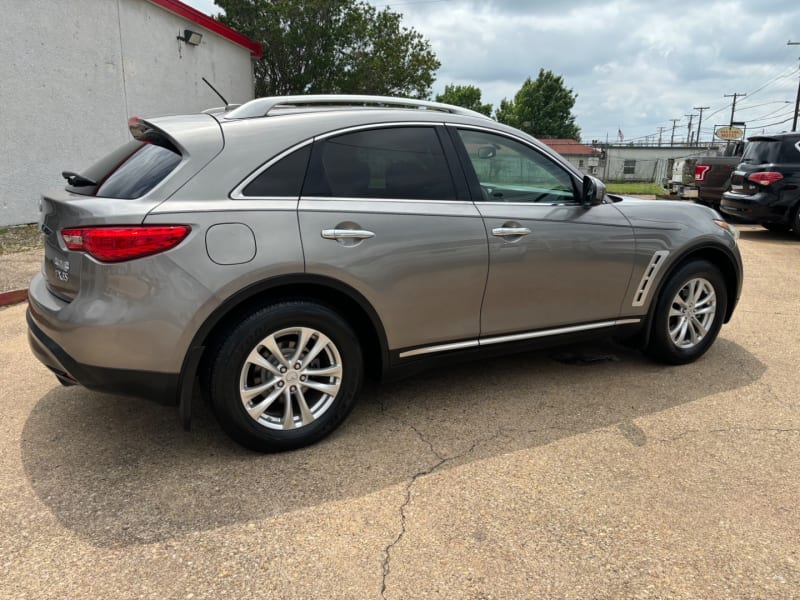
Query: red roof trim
[(195, 16)]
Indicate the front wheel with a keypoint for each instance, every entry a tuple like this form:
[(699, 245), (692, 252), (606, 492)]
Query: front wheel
[(285, 376), (689, 313)]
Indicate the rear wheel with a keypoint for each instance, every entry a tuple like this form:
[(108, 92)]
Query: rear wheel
[(689, 313), (286, 376)]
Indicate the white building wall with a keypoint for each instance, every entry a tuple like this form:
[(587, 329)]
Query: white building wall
[(649, 161), (73, 71)]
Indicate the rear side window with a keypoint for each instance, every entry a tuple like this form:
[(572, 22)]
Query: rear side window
[(284, 178), (761, 152), (398, 162), (131, 170)]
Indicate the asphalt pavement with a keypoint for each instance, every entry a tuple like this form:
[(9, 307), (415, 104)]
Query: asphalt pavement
[(586, 472)]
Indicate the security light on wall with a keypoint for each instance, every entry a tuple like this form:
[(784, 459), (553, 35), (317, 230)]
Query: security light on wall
[(191, 37)]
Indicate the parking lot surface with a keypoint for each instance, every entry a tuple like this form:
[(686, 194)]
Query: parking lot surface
[(585, 472)]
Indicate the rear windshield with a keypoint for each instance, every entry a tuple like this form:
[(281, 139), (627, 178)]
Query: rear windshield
[(761, 152), (130, 171)]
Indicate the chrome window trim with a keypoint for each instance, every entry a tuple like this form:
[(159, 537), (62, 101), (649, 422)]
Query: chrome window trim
[(251, 204), (541, 149), (373, 199), (237, 194), (388, 124), (517, 337)]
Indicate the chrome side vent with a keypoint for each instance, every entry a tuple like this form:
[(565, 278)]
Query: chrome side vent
[(659, 258)]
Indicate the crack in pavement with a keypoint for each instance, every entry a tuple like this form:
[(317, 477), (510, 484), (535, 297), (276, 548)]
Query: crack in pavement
[(440, 460)]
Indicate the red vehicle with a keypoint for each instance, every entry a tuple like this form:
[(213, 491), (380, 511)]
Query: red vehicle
[(712, 174)]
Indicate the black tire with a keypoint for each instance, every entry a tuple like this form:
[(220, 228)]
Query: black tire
[(662, 346), (776, 227), (796, 221), (229, 366)]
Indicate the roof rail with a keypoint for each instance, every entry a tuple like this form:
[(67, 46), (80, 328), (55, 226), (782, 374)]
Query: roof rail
[(261, 107), (218, 110)]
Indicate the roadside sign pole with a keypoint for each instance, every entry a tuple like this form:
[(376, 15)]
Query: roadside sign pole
[(797, 100)]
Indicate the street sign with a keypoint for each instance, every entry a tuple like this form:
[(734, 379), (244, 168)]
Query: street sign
[(729, 133)]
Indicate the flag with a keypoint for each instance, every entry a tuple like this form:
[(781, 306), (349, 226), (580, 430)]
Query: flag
[(620, 135)]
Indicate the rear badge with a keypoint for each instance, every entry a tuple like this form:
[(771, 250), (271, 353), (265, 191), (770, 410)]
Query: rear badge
[(62, 268)]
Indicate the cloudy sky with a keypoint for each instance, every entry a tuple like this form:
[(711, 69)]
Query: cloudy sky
[(635, 64)]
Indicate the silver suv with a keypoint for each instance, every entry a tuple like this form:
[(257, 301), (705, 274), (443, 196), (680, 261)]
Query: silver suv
[(278, 251)]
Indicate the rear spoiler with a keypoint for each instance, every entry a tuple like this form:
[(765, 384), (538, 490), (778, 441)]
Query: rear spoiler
[(139, 128)]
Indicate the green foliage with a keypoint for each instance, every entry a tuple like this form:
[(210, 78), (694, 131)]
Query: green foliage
[(467, 96), (542, 108), (332, 46), (627, 187)]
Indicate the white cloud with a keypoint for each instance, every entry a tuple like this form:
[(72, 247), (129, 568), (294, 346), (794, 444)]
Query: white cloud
[(635, 64)]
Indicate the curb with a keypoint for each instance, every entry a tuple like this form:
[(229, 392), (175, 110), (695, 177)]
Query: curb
[(13, 297)]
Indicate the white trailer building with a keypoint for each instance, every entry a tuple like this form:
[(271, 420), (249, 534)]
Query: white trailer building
[(73, 72)]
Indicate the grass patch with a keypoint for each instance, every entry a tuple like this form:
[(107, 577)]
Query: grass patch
[(633, 188), (20, 238)]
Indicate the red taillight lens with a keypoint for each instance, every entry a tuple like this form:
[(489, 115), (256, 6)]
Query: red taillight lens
[(765, 178), (700, 172), (119, 243)]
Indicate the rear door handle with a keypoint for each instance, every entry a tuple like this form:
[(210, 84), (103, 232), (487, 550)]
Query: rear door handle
[(347, 234), (510, 231)]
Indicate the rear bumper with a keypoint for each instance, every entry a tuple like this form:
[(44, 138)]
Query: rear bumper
[(761, 207), (159, 387)]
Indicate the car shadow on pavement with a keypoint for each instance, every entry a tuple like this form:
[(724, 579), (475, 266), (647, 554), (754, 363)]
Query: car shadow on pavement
[(121, 471), (761, 234)]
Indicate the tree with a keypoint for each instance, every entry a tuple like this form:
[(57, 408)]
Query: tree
[(332, 46), (467, 96), (542, 108)]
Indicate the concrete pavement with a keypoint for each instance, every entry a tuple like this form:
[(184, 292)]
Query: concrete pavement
[(522, 477)]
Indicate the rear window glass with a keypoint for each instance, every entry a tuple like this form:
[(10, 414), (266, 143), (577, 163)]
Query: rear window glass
[(761, 152), (130, 171)]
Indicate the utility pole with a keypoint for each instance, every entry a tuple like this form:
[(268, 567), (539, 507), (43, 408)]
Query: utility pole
[(660, 131), (797, 101), (700, 120), (672, 137), (733, 108), (689, 130)]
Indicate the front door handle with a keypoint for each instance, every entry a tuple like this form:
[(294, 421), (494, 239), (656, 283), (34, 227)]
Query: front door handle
[(510, 231), (347, 234)]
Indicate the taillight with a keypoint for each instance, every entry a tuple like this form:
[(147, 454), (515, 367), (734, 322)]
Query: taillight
[(765, 177), (119, 243), (700, 172)]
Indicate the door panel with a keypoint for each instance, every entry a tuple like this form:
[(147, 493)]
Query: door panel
[(552, 261), (380, 211), (573, 266), (422, 265)]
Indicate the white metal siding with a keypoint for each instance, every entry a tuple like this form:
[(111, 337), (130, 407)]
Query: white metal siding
[(73, 72)]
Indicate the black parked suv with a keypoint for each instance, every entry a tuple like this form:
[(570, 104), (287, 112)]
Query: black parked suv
[(765, 187)]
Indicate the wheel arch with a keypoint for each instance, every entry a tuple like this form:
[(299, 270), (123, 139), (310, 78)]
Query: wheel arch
[(340, 297), (717, 255)]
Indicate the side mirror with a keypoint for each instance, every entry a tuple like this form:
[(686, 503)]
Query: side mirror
[(593, 192), (487, 152)]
